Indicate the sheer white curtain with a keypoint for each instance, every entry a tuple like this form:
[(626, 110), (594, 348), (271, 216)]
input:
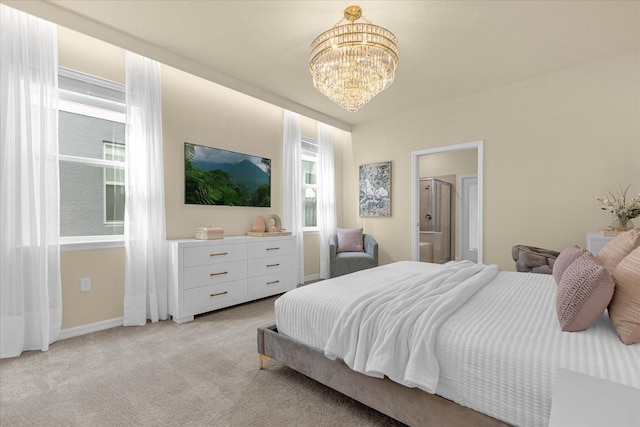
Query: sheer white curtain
[(326, 194), (30, 285), (145, 295), (292, 197)]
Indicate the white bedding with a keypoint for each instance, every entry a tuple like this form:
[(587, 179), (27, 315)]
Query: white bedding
[(497, 354)]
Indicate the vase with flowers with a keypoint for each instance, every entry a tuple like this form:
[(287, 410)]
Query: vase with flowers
[(622, 211)]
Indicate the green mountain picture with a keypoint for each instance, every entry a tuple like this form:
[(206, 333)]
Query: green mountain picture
[(221, 177)]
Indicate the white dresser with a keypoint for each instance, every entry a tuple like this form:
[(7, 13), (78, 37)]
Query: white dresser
[(206, 275)]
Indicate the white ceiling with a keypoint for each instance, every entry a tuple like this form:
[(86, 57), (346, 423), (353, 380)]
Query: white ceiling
[(448, 49)]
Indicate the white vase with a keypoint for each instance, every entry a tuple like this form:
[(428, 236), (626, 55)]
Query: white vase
[(619, 225)]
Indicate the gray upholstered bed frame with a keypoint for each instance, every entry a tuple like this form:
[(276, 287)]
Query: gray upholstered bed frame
[(411, 406)]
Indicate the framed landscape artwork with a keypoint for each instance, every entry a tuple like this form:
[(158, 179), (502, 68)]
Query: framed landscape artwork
[(375, 189), (220, 177)]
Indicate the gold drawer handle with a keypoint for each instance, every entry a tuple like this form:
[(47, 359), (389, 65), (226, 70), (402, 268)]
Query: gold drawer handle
[(273, 282), (273, 265), (218, 274), (220, 254), (273, 249), (218, 294)]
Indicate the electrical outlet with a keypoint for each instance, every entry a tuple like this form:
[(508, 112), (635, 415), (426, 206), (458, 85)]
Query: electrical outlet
[(85, 284)]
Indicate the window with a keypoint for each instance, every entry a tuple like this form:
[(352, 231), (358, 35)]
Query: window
[(309, 184), (113, 184), (91, 129)]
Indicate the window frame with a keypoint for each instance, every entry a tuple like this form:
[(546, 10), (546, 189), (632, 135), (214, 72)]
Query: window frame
[(305, 155), (91, 96), (114, 146)]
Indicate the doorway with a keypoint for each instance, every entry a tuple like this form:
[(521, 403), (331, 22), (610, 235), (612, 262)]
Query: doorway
[(469, 213)]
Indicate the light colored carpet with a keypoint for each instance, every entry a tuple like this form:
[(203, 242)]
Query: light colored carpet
[(202, 373)]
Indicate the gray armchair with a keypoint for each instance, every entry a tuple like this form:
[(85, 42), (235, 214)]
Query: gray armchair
[(347, 262)]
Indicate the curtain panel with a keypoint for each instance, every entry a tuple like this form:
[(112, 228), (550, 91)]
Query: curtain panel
[(146, 274), (30, 284), (292, 197), (326, 195)]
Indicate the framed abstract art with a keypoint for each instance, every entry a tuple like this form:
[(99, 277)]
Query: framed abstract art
[(375, 189)]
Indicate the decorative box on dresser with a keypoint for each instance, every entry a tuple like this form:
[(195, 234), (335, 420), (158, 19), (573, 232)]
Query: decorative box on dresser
[(206, 275)]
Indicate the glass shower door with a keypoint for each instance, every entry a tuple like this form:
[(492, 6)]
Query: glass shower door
[(436, 220)]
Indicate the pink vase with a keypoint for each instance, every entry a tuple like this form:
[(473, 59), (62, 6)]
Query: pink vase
[(259, 225)]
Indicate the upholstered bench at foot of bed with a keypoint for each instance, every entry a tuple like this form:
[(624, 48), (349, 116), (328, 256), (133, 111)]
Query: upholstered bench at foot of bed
[(411, 406)]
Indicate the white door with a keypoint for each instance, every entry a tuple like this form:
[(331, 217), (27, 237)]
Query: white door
[(469, 218)]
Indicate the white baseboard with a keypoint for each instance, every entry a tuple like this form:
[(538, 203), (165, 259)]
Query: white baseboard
[(76, 331), (311, 277)]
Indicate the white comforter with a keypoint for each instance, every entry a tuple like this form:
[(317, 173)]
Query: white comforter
[(391, 331), (497, 353)]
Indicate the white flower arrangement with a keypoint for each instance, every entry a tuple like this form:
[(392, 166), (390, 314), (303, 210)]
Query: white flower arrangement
[(616, 205)]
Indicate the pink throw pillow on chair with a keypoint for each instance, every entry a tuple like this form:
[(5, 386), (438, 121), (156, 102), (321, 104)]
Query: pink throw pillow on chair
[(350, 240)]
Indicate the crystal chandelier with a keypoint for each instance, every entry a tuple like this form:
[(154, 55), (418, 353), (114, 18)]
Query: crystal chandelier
[(353, 61)]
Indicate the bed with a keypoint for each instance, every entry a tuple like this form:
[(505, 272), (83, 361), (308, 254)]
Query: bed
[(454, 344)]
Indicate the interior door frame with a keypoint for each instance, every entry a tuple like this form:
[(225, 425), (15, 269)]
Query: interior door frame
[(415, 200), (464, 213)]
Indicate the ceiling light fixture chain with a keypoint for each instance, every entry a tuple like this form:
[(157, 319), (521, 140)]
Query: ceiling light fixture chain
[(353, 61)]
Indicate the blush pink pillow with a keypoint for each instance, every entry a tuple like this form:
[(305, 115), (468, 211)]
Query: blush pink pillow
[(583, 293), (624, 309), (564, 260), (350, 240), (618, 248)]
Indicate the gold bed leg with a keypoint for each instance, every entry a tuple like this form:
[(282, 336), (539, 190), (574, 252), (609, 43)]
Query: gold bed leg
[(262, 358)]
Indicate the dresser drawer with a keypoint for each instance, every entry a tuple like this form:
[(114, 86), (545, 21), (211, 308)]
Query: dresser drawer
[(270, 248), (214, 273), (207, 275), (270, 284), (260, 266), (215, 296), (214, 254)]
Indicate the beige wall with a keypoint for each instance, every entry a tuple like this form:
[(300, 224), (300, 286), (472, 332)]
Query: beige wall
[(312, 254), (550, 145), (105, 267), (456, 163), (197, 111), (89, 55)]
